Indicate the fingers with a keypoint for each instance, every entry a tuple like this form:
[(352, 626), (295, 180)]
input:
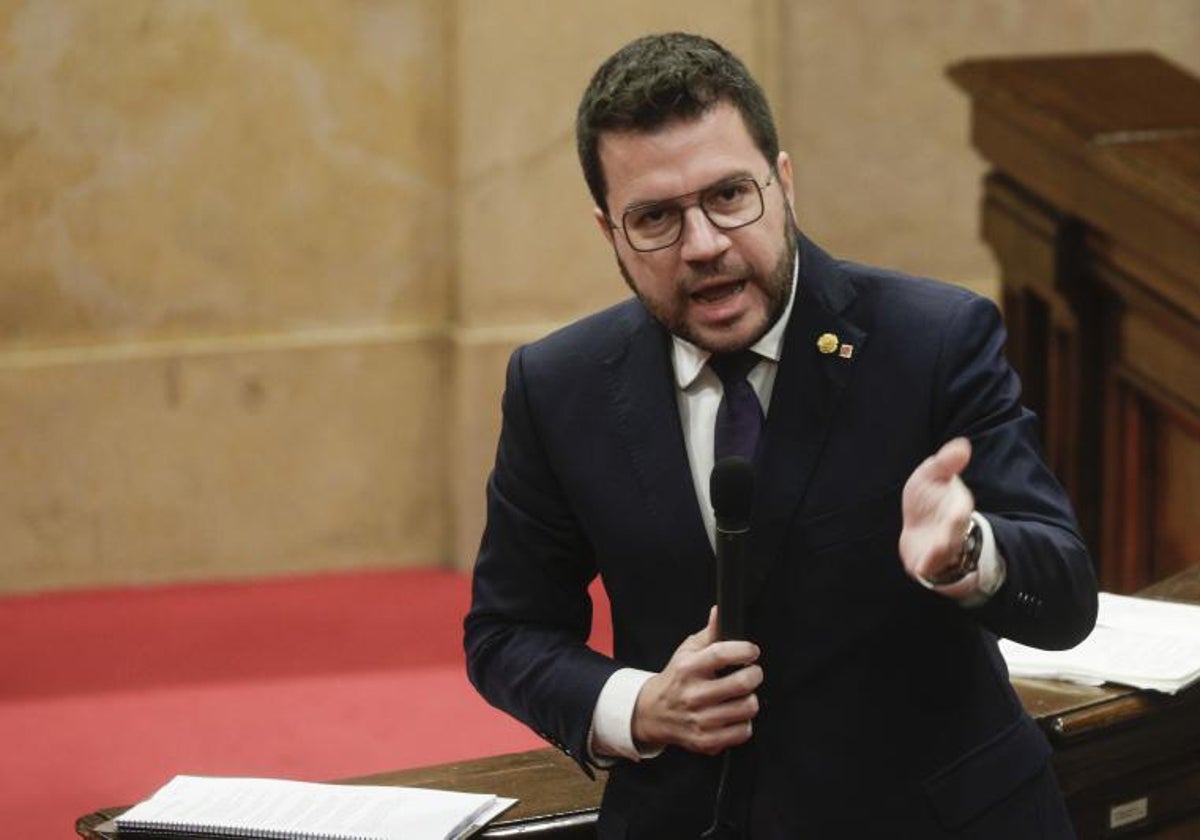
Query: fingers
[(935, 491), (710, 700), (717, 672), (697, 701), (944, 464), (709, 705), (722, 728), (732, 687), (717, 715), (936, 508)]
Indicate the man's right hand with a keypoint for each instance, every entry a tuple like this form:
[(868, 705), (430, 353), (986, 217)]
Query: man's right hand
[(693, 703)]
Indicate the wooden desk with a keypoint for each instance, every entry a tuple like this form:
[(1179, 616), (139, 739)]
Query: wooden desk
[(1113, 746), (556, 800)]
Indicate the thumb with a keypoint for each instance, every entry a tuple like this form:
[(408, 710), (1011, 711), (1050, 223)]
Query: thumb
[(705, 636), (950, 460)]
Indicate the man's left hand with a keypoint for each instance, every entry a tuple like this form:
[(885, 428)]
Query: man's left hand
[(937, 509)]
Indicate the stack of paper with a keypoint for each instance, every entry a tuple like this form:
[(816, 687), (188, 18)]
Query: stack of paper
[(1137, 641), (258, 808)]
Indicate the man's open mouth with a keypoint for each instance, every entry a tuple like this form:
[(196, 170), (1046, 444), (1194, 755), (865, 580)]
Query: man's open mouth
[(719, 292)]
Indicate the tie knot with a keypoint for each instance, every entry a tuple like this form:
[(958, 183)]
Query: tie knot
[(733, 367)]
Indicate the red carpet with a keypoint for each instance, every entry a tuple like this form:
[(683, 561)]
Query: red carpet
[(105, 695)]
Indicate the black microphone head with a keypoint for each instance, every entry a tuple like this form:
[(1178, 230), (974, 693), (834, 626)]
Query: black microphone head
[(731, 486)]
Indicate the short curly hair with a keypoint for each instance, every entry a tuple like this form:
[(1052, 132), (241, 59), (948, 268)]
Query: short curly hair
[(660, 78)]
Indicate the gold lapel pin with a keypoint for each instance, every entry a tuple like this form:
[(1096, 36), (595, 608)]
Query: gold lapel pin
[(827, 343)]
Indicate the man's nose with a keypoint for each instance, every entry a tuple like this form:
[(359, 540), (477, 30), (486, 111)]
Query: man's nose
[(701, 240)]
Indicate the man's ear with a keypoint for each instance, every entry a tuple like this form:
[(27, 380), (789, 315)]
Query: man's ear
[(602, 220), (783, 165)]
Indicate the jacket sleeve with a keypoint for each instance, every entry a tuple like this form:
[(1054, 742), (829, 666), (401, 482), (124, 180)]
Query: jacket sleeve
[(1048, 599), (525, 633)]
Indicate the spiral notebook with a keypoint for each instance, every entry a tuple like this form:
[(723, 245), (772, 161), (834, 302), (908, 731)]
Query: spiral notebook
[(277, 809)]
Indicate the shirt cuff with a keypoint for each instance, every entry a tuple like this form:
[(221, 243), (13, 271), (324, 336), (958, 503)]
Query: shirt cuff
[(992, 568), (612, 720)]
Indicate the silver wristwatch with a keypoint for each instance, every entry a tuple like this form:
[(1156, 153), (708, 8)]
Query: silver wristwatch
[(968, 556)]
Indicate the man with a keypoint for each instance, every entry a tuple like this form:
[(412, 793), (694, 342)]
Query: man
[(870, 699)]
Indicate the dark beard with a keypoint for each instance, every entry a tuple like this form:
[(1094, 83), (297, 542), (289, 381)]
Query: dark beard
[(778, 290)]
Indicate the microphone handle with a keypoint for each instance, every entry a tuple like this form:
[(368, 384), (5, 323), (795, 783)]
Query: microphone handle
[(731, 566), (731, 624)]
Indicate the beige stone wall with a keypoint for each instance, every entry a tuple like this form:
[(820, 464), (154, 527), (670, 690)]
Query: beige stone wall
[(265, 259), (227, 253)]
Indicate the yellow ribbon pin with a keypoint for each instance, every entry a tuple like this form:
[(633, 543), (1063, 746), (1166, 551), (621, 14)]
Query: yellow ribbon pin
[(828, 343)]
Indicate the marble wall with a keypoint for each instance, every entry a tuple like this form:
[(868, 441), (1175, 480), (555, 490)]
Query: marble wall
[(265, 259), (227, 276)]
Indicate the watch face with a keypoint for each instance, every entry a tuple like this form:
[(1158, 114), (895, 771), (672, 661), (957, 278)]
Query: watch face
[(972, 547)]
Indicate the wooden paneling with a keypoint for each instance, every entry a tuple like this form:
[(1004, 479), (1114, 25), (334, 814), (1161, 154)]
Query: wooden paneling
[(1093, 211)]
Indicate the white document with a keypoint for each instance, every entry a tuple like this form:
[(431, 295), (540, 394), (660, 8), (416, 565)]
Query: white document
[(1139, 642), (253, 808)]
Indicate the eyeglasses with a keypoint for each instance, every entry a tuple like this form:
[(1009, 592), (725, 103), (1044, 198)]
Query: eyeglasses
[(728, 205)]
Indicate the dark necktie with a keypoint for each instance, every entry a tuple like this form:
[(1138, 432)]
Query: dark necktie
[(740, 416)]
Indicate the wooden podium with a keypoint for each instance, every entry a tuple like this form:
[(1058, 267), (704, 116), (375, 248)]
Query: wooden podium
[(1092, 208)]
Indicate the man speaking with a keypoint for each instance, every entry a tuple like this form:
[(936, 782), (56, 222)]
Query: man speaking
[(901, 519)]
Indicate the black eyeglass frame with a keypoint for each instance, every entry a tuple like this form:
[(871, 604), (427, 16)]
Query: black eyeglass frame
[(762, 209)]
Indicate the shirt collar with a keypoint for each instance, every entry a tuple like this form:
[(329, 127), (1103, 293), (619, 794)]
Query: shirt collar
[(688, 359)]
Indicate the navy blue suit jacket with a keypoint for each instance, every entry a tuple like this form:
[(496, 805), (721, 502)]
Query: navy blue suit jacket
[(885, 707)]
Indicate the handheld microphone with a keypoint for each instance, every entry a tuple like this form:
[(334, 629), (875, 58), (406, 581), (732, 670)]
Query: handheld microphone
[(731, 486)]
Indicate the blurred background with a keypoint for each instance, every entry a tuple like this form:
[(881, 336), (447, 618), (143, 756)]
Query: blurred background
[(264, 260)]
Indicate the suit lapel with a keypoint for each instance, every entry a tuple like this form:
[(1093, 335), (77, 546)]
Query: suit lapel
[(641, 385), (804, 403), (808, 389)]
